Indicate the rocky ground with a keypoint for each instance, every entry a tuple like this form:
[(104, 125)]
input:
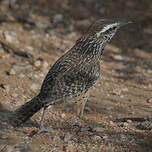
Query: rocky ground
[(118, 115)]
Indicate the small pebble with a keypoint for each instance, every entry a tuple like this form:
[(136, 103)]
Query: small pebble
[(111, 123), (110, 116), (125, 124), (8, 37), (129, 121), (118, 57), (110, 108), (124, 89), (36, 76), (21, 75), (149, 71), (63, 115), (122, 96), (34, 86), (30, 48), (45, 64), (14, 95), (149, 100), (117, 91), (37, 63), (12, 72)]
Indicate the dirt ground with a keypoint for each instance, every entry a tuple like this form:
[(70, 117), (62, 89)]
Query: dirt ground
[(118, 115)]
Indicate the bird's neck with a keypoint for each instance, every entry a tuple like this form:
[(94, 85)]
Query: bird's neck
[(91, 46)]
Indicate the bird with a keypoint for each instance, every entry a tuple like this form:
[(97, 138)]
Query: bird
[(73, 75)]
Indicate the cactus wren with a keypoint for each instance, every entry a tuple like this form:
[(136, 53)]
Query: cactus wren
[(74, 74)]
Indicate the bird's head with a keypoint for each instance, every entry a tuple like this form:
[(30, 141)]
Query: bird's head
[(104, 29)]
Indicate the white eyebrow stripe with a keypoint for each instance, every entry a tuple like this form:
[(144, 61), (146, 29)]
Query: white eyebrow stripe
[(106, 28)]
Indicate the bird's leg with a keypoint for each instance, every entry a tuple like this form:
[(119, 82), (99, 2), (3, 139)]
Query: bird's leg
[(42, 128), (42, 118), (80, 102), (80, 107)]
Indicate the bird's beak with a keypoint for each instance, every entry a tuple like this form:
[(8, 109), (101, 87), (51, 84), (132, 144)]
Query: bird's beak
[(122, 23)]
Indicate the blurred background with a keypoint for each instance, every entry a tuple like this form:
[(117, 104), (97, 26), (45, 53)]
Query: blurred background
[(72, 15)]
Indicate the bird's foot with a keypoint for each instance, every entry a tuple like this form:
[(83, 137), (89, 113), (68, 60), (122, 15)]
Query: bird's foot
[(43, 129)]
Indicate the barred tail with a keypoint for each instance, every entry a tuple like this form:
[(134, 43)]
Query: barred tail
[(23, 113)]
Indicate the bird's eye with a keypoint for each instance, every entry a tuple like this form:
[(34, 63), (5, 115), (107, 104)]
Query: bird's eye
[(105, 36), (114, 28)]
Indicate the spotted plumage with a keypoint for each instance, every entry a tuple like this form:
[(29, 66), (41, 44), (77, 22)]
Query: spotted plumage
[(74, 74)]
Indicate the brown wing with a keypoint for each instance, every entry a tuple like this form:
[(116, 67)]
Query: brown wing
[(70, 75)]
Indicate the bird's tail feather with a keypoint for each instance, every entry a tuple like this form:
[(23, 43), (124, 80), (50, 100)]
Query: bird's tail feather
[(23, 113)]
